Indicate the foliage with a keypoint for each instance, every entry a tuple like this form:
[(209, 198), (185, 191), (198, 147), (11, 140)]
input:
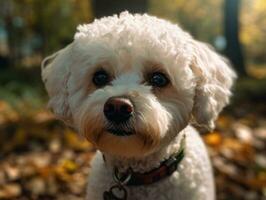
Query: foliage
[(37, 28), (253, 33), (202, 18), (45, 160), (42, 159), (40, 27)]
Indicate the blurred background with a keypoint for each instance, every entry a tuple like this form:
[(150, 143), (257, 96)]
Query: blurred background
[(42, 159)]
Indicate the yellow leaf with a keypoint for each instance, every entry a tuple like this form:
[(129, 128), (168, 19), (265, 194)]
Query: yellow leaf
[(213, 139)]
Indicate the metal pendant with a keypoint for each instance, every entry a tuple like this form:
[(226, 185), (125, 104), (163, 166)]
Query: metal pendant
[(116, 192)]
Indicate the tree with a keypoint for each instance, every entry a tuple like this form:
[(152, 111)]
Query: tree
[(35, 29), (233, 48), (109, 7)]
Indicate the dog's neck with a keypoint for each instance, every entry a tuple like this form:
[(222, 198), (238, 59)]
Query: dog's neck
[(147, 163)]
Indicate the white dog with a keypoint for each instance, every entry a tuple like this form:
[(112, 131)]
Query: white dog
[(133, 85)]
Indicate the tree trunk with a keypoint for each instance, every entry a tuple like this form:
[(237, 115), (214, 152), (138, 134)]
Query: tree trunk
[(6, 15), (109, 7), (233, 48)]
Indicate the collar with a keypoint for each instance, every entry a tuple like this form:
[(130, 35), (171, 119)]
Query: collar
[(166, 168)]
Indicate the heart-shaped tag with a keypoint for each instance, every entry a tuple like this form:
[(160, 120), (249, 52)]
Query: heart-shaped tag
[(117, 192)]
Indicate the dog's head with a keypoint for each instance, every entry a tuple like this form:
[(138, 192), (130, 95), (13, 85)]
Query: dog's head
[(129, 84)]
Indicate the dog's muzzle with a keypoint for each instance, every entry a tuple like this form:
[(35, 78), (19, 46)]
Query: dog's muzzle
[(118, 111)]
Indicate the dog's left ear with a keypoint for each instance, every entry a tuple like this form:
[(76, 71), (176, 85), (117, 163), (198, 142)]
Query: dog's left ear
[(214, 79), (55, 75)]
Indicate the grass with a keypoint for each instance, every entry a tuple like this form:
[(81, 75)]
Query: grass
[(22, 86)]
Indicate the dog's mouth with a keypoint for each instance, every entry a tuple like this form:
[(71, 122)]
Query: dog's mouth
[(120, 132)]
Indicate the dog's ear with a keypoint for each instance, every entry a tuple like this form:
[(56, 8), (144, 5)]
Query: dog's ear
[(214, 79), (55, 75)]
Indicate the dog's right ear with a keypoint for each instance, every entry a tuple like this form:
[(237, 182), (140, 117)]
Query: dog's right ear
[(55, 75), (214, 78)]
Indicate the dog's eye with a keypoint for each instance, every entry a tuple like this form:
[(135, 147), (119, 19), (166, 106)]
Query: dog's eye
[(158, 79), (100, 78)]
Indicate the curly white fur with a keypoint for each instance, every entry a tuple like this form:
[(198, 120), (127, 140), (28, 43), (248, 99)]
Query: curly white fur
[(129, 47)]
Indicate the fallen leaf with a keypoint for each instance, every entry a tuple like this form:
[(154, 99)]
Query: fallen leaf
[(213, 139)]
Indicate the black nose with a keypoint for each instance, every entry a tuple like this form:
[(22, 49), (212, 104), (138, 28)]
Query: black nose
[(118, 109)]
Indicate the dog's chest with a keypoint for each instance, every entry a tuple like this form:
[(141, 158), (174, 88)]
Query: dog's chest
[(193, 179)]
